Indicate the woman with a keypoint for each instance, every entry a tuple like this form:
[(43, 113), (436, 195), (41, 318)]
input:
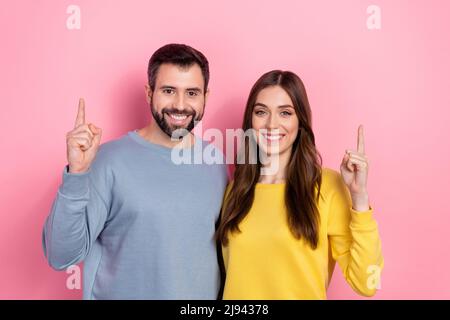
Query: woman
[(285, 219)]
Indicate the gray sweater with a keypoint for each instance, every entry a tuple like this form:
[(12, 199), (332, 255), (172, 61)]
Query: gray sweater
[(142, 224)]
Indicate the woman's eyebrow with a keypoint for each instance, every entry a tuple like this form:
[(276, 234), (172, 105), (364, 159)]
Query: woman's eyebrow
[(260, 105), (279, 107), (285, 106)]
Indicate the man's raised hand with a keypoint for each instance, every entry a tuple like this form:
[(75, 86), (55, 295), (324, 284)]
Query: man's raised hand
[(82, 142)]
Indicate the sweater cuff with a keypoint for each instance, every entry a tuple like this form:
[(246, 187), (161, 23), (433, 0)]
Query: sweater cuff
[(361, 217), (75, 185)]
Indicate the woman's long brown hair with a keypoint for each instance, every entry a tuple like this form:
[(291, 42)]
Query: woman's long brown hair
[(303, 172)]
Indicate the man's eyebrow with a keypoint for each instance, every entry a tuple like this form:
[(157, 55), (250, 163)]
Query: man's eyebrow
[(279, 107), (196, 89), (167, 87)]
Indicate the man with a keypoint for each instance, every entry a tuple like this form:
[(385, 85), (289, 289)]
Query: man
[(143, 225)]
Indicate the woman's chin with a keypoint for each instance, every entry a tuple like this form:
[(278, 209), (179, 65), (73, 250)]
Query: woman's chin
[(271, 150)]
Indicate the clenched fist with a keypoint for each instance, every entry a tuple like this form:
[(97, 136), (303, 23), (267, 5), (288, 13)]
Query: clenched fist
[(82, 142)]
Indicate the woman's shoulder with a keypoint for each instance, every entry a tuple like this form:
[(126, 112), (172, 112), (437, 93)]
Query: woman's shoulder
[(331, 179), (328, 173)]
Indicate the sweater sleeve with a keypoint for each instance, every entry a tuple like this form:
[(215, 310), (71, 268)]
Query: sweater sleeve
[(354, 239), (78, 215)]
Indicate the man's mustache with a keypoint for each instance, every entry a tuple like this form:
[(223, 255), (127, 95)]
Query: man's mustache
[(180, 112)]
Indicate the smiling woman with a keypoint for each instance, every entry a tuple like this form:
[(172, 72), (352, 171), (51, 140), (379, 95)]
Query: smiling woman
[(274, 113), (282, 232)]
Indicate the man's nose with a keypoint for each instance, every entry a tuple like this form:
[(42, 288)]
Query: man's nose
[(179, 102)]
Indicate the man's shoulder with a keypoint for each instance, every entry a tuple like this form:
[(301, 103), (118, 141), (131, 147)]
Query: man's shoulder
[(113, 149)]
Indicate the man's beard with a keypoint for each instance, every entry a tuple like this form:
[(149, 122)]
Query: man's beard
[(169, 129)]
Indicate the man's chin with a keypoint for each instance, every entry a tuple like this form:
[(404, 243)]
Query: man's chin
[(178, 132)]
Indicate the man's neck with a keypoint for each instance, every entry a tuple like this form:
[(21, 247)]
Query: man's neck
[(154, 134)]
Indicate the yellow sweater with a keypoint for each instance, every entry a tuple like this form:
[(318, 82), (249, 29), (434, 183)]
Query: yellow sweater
[(265, 261)]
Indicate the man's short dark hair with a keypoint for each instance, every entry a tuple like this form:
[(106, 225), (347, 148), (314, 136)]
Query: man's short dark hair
[(178, 54)]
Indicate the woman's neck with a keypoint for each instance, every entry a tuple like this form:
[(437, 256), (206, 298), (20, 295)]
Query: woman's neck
[(274, 171)]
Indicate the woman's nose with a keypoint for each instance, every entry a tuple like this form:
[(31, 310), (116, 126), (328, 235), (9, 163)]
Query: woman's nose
[(272, 122)]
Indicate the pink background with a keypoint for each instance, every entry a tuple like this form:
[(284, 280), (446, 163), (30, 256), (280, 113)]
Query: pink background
[(394, 81)]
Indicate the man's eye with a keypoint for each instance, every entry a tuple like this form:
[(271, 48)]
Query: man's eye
[(192, 93), (168, 91)]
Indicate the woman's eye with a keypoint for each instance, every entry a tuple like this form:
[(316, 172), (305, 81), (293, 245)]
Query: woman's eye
[(259, 112), (286, 113)]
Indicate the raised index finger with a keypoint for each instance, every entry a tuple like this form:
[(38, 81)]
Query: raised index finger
[(360, 139), (80, 115)]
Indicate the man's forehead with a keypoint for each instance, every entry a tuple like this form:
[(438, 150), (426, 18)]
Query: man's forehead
[(180, 76)]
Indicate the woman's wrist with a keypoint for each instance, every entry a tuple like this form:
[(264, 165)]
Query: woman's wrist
[(360, 202)]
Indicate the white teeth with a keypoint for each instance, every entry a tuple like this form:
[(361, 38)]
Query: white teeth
[(178, 117), (273, 138)]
